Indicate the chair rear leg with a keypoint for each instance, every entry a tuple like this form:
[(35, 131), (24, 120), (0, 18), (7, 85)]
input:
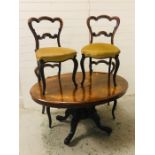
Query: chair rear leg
[(109, 68), (113, 108), (49, 116)]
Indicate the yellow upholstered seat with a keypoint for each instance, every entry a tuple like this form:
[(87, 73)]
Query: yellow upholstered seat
[(100, 50), (55, 54)]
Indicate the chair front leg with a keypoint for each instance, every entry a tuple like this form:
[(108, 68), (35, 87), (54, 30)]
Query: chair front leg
[(36, 71), (39, 78), (90, 66), (41, 70), (109, 68), (113, 108), (75, 71), (59, 72), (116, 69), (49, 116), (82, 68)]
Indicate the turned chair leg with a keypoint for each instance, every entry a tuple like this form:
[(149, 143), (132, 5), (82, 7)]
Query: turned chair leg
[(41, 70), (75, 71), (116, 69), (82, 68)]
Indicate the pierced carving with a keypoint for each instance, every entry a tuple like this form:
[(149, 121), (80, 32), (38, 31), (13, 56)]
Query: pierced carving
[(93, 34), (38, 37), (102, 32), (47, 35)]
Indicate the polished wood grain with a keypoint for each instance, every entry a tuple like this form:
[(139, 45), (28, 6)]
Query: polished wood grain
[(61, 93)]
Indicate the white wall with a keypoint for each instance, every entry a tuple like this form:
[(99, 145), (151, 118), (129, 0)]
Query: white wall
[(75, 34)]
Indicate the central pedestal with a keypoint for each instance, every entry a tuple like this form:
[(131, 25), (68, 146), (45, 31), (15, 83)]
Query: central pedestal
[(77, 115), (80, 102)]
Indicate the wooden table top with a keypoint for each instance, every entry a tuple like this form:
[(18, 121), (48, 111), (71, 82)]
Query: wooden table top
[(62, 93)]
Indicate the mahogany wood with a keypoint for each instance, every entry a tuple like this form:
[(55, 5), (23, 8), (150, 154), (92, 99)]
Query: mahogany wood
[(107, 34), (102, 17), (61, 93), (79, 101), (39, 71)]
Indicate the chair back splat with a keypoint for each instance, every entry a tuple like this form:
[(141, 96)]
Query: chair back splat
[(105, 33), (46, 34)]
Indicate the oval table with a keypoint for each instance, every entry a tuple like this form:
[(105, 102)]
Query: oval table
[(79, 101)]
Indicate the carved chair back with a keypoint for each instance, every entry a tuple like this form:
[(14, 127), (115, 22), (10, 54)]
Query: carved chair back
[(45, 34), (105, 33)]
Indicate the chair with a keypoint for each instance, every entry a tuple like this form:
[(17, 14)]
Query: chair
[(101, 51), (47, 55)]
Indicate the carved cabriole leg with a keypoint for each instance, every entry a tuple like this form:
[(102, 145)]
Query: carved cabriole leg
[(82, 68), (75, 71), (63, 118), (90, 66), (109, 69), (79, 114), (49, 116), (113, 108), (116, 69), (95, 117), (74, 123), (36, 71), (41, 70), (59, 72)]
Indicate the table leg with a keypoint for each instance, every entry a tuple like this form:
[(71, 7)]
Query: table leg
[(74, 123), (49, 116), (95, 117), (79, 114), (63, 118)]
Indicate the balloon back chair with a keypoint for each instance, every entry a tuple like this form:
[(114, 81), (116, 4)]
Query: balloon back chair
[(101, 50), (47, 55)]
